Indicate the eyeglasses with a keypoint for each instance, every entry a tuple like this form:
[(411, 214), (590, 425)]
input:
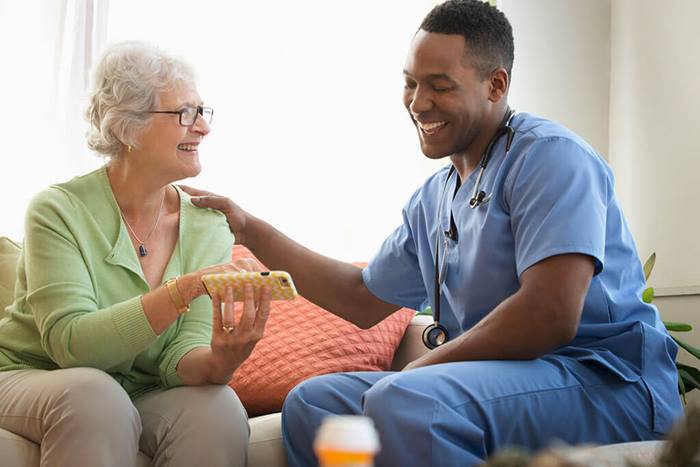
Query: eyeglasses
[(188, 115)]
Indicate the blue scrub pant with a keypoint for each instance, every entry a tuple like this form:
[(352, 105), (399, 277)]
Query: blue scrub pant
[(459, 413)]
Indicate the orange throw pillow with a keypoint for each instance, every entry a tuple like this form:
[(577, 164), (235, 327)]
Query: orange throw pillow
[(302, 340)]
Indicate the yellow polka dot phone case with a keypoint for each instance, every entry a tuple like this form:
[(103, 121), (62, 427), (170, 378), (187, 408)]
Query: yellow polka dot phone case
[(280, 283)]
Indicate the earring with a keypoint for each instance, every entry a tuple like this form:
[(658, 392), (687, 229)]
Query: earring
[(128, 148)]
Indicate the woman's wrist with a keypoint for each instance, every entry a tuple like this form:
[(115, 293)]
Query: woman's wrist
[(220, 368), (190, 286)]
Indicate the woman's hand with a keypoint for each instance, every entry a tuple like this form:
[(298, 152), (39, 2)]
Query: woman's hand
[(235, 216), (191, 285), (232, 342)]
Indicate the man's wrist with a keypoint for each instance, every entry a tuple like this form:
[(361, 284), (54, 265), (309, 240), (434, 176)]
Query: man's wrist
[(252, 231)]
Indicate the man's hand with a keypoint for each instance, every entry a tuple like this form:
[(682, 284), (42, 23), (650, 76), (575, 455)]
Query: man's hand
[(418, 362), (334, 285), (236, 217), (541, 316)]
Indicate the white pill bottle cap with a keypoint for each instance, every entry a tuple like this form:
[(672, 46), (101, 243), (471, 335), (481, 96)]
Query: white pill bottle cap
[(347, 433)]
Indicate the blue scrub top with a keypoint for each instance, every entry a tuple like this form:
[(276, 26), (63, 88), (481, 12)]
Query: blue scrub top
[(551, 194)]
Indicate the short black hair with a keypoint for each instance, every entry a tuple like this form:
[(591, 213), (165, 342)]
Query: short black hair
[(486, 30)]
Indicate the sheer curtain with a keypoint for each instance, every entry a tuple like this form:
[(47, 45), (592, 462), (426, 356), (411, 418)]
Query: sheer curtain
[(309, 130), (48, 49), (81, 30)]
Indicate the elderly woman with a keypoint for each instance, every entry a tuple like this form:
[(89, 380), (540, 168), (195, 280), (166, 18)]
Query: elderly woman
[(112, 344)]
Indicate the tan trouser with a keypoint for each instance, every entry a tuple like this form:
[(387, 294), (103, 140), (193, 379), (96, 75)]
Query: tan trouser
[(81, 417)]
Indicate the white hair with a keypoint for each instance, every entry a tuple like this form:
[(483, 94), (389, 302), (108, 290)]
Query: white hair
[(127, 81)]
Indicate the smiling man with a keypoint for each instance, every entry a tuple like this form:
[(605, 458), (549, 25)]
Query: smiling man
[(520, 247)]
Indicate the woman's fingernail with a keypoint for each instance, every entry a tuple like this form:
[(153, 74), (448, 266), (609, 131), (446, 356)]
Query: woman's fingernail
[(195, 200)]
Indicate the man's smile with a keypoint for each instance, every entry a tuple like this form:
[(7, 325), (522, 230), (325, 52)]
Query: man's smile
[(431, 128)]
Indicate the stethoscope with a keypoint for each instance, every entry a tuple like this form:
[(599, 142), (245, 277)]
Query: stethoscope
[(436, 334)]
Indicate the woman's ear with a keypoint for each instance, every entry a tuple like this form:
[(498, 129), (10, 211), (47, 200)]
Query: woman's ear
[(499, 82)]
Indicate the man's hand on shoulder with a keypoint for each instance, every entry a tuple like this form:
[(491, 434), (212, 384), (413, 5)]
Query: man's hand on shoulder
[(236, 217)]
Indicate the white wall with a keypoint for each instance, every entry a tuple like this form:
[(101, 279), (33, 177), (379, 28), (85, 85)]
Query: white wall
[(654, 147), (562, 63), (654, 125), (622, 74)]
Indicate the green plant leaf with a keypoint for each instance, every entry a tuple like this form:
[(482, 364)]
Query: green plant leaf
[(678, 327), (689, 368), (649, 265), (688, 382), (648, 295), (681, 387), (692, 350), (690, 376)]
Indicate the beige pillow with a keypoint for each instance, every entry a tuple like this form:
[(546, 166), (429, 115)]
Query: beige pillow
[(9, 254)]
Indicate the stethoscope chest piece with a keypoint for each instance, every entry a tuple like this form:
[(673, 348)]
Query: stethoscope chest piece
[(435, 335)]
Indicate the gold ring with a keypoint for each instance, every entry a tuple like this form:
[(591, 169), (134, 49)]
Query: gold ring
[(227, 329)]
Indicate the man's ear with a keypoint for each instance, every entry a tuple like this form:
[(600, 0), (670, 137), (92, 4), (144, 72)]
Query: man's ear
[(499, 82)]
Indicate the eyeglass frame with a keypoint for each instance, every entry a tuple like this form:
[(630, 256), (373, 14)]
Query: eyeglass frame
[(200, 111)]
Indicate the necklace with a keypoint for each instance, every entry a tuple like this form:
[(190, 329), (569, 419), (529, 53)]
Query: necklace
[(142, 243)]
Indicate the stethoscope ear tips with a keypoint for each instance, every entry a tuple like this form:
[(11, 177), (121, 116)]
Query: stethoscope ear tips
[(434, 335)]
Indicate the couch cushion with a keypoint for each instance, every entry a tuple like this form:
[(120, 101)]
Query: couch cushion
[(302, 340), (639, 453), (266, 447), (9, 254), (411, 346)]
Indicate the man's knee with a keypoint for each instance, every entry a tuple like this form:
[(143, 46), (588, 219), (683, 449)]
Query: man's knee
[(387, 400), (308, 393)]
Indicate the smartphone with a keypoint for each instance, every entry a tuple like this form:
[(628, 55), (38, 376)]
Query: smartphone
[(280, 283)]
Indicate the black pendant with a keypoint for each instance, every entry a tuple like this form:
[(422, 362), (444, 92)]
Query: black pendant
[(142, 250)]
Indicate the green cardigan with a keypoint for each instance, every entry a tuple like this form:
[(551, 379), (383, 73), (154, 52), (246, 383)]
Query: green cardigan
[(79, 286)]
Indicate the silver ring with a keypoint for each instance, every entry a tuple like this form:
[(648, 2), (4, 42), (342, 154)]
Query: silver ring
[(227, 329)]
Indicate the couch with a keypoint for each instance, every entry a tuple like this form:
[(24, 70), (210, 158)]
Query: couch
[(266, 439), (266, 449)]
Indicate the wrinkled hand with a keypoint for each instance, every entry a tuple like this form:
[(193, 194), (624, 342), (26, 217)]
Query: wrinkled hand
[(191, 285), (232, 342), (235, 216)]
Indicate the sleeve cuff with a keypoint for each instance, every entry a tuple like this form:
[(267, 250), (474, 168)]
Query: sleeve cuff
[(170, 377), (132, 325)]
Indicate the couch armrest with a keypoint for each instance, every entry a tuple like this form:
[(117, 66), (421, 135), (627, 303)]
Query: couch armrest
[(411, 346)]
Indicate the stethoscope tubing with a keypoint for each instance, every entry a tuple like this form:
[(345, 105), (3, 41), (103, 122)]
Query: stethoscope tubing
[(432, 333)]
